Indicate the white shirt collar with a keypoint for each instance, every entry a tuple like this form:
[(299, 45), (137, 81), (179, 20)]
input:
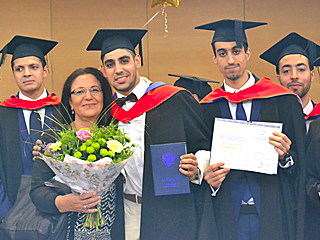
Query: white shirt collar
[(308, 108), (27, 113), (24, 97), (249, 83)]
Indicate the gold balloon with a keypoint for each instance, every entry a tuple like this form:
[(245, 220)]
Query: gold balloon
[(165, 2)]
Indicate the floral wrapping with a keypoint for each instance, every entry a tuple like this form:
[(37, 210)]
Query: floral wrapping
[(83, 176)]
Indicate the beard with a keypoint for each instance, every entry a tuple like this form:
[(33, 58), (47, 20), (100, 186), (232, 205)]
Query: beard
[(233, 76), (301, 93), (131, 84), (305, 88)]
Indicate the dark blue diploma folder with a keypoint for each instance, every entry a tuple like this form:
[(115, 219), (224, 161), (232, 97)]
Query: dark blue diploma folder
[(165, 167)]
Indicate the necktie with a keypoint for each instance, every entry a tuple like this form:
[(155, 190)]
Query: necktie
[(35, 127), (240, 113), (122, 101)]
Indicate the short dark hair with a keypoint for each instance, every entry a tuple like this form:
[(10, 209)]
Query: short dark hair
[(245, 45), (65, 109), (133, 54)]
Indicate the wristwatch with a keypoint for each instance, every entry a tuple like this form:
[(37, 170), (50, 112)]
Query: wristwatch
[(198, 174), (286, 158)]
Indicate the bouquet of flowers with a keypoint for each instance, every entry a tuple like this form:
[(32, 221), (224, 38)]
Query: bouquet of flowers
[(88, 160)]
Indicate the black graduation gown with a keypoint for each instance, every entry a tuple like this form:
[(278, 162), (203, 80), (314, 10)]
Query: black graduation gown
[(11, 164), (176, 216), (282, 196), (313, 180)]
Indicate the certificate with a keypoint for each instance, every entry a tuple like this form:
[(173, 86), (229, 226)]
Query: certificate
[(167, 178), (245, 145)]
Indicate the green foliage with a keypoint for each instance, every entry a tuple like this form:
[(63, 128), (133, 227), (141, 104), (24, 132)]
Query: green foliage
[(92, 145)]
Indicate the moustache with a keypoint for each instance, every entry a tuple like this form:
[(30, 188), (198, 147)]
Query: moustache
[(121, 75), (295, 83), (232, 66)]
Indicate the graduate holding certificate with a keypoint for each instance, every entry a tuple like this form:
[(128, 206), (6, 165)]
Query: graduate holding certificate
[(250, 205)]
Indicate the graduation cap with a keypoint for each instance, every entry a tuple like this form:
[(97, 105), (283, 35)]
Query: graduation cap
[(108, 40), (21, 46), (228, 30), (195, 85), (292, 44)]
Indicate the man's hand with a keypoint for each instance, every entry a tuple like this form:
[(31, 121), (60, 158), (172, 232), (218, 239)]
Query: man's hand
[(281, 143), (36, 149), (189, 165), (214, 175)]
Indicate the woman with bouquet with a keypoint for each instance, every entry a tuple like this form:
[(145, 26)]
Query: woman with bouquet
[(85, 94)]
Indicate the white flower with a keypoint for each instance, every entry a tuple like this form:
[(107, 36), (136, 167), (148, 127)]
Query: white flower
[(115, 146)]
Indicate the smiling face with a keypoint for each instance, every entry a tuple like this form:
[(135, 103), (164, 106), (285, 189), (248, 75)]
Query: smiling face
[(232, 62), (86, 106), (295, 74), (121, 70), (29, 74)]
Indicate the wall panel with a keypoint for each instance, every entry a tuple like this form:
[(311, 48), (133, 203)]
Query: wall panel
[(183, 50)]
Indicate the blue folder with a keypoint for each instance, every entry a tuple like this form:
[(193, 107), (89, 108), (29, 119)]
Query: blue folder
[(165, 167)]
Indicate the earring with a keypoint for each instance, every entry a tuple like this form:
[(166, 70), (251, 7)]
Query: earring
[(72, 112)]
